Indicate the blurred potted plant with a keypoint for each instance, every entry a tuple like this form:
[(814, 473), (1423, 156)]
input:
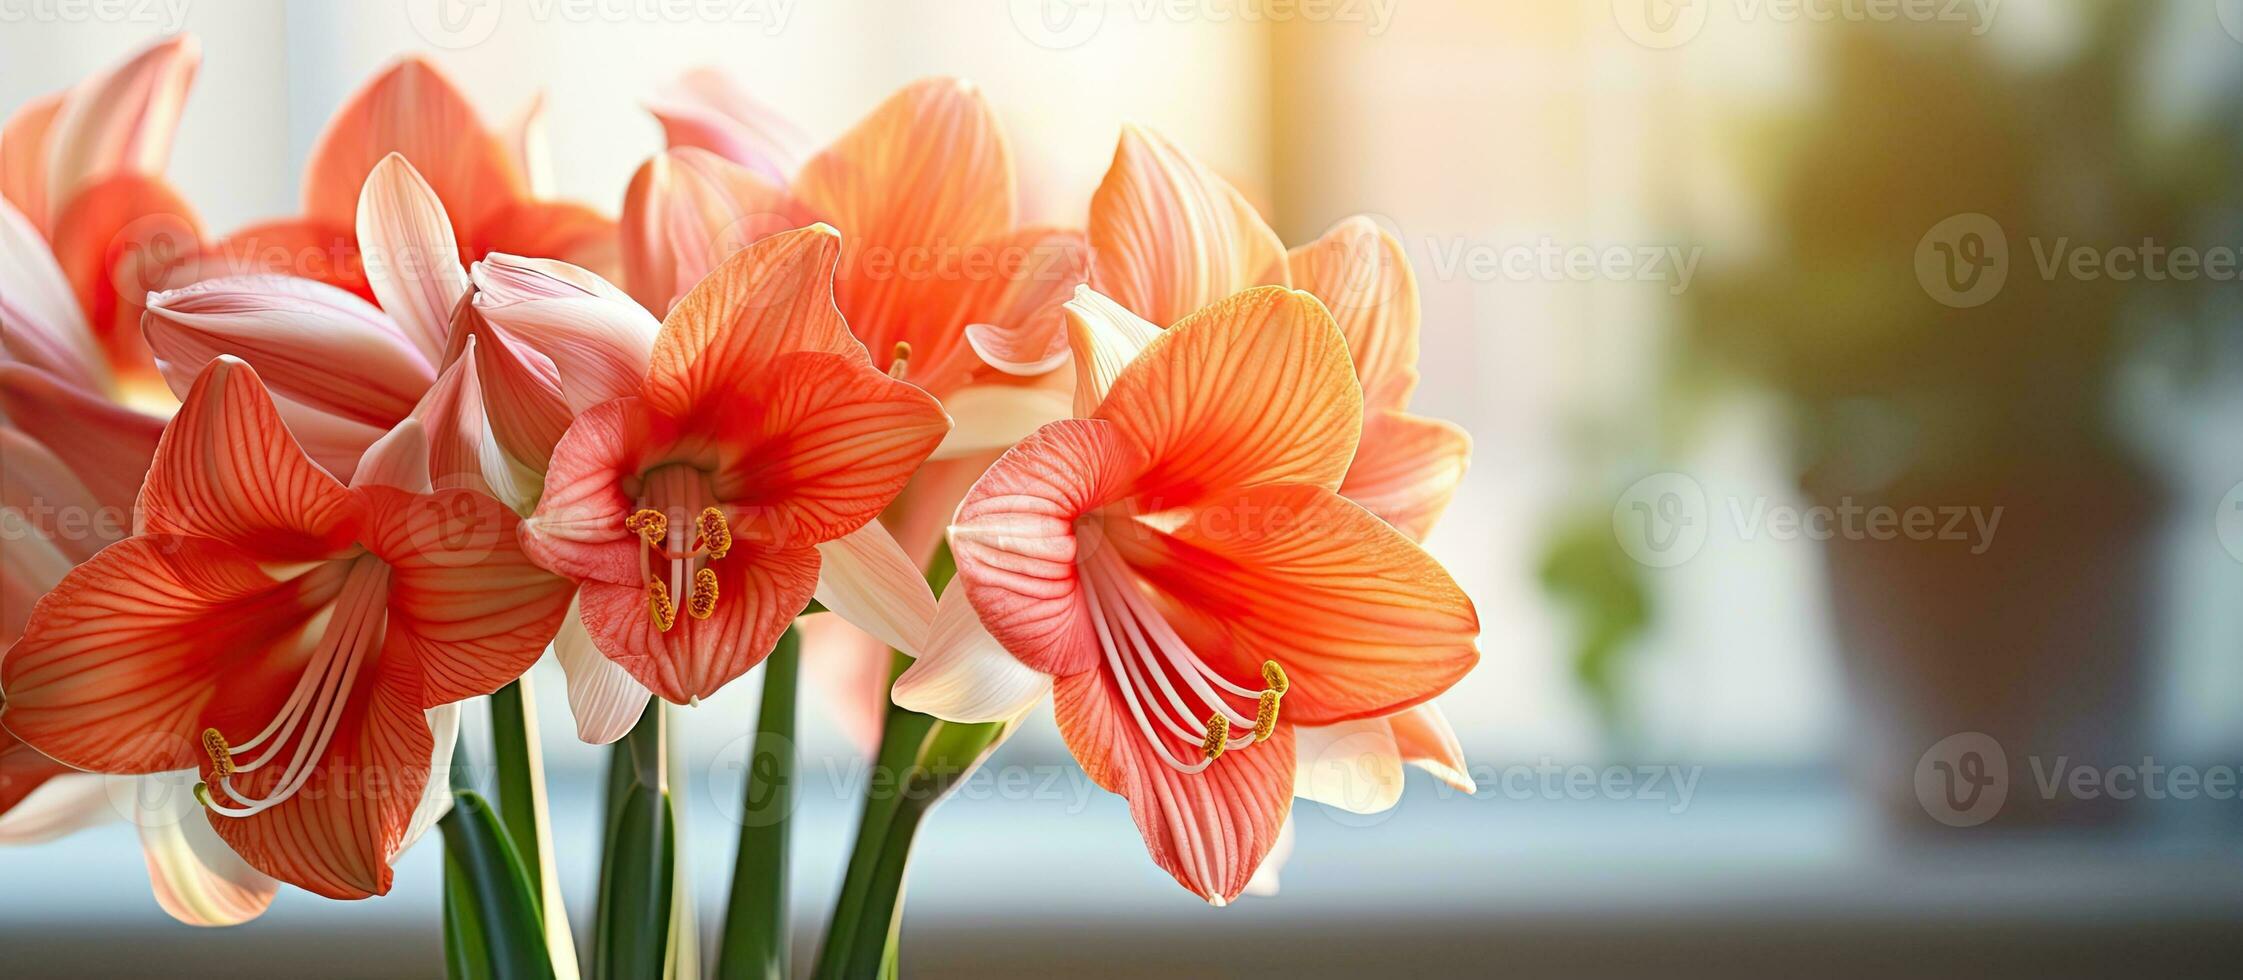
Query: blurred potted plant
[(1934, 350)]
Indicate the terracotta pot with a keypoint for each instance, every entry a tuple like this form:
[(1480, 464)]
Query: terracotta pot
[(1980, 665)]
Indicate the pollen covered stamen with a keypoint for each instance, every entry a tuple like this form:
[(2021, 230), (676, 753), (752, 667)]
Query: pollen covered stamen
[(659, 607), (1218, 735), (652, 527), (1274, 676), (1265, 715), (716, 535), (704, 599), (900, 361), (221, 754)]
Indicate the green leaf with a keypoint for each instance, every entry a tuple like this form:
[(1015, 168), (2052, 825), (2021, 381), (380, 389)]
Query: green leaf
[(755, 919), (491, 916), (522, 809), (631, 937)]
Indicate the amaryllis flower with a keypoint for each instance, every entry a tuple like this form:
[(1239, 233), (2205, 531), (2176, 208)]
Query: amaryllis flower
[(1178, 568), (287, 634), (937, 278), (694, 510), (84, 169), (1170, 237), (485, 178)]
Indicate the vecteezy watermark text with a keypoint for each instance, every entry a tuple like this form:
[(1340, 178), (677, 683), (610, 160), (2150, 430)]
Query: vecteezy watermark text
[(168, 15), (1966, 780), (1672, 23), (1663, 520)]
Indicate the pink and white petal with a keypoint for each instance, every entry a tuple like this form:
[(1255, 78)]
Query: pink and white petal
[(411, 252), (1171, 237), (52, 519), (464, 452), (40, 322), (597, 339), (705, 109), (524, 137), (865, 578), (965, 675), (196, 878), (993, 416), (398, 460), (1427, 741), (335, 443), (436, 796), (295, 332), (1009, 289), (58, 807), (105, 445), (1210, 830), (34, 561), (604, 698), (1354, 765), (1408, 469), (1104, 337), (1015, 540), (122, 120), (684, 212)]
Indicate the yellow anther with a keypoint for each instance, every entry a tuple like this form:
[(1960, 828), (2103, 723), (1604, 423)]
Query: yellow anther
[(1218, 735), (221, 754), (1274, 676), (652, 526), (716, 535), (704, 600), (900, 360), (659, 607), (1265, 716)]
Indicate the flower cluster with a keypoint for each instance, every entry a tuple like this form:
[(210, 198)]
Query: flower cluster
[(368, 462)]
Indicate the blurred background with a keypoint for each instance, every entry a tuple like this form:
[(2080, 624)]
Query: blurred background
[(1854, 515)]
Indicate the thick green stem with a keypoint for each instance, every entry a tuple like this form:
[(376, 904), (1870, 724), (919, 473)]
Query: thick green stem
[(631, 939), (491, 913), (522, 807), (755, 921)]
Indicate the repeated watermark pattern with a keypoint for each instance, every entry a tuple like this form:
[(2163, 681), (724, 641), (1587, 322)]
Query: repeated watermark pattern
[(1063, 24), (1965, 780), (1965, 260), (456, 24), (166, 16), (1665, 519), (1662, 24)]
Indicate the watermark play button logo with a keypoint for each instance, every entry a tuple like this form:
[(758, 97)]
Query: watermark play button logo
[(1660, 24), (1964, 780), (1963, 262)]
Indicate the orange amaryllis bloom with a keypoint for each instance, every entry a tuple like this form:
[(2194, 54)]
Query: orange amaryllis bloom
[(84, 168), (1177, 567), (693, 511), (1170, 237), (291, 636), (485, 179), (937, 278)]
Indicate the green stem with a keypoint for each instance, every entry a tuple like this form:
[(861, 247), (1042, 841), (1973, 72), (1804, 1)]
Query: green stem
[(492, 914), (900, 737), (755, 922), (631, 938), (522, 807)]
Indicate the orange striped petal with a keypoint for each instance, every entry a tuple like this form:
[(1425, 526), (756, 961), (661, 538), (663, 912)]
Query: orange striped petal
[(1364, 278), (106, 446), (1361, 618), (465, 602), (1016, 546), (571, 233), (117, 240), (40, 322), (227, 468), (577, 529), (411, 254), (1256, 389), (820, 444), (526, 144), (911, 187), (1170, 237), (762, 591), (686, 210), (121, 121), (1210, 830), (23, 157), (337, 836), (294, 332), (770, 298), (1408, 469), (290, 247), (1008, 292), (411, 109), (123, 659)]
